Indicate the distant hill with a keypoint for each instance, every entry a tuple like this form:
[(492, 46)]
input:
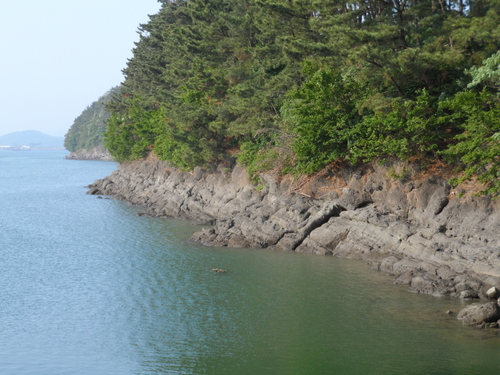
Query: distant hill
[(32, 138), (86, 133)]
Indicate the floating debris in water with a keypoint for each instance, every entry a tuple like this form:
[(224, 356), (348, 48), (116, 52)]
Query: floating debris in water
[(219, 270)]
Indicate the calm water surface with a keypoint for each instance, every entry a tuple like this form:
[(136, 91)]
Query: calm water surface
[(88, 287)]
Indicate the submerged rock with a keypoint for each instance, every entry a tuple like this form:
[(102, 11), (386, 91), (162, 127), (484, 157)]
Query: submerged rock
[(477, 314)]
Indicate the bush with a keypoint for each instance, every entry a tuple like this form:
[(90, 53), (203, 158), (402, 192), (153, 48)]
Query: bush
[(410, 128), (131, 136), (477, 148), (258, 154), (323, 114)]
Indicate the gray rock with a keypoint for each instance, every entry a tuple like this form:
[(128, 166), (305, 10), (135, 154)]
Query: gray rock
[(310, 246), (405, 278), (352, 199), (97, 153), (493, 293), (388, 264), (468, 294), (476, 314), (414, 228)]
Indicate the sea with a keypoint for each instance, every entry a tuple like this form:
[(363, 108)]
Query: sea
[(87, 286)]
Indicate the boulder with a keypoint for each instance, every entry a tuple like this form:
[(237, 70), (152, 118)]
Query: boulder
[(476, 313), (493, 293)]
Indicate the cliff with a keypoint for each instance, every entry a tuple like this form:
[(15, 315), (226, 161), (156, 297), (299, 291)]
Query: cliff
[(403, 219)]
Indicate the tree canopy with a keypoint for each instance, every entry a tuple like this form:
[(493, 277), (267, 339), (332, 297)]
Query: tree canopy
[(313, 81), (87, 131)]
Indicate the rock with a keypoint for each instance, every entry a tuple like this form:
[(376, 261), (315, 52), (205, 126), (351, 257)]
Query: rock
[(97, 153), (310, 246), (412, 228), (238, 241), (388, 263), (94, 191), (218, 270), (352, 199), (476, 313), (493, 293), (468, 294), (405, 278), (421, 284)]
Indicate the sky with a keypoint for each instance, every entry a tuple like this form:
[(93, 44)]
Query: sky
[(59, 56)]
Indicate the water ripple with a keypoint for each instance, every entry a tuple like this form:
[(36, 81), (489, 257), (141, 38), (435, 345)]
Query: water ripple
[(88, 287)]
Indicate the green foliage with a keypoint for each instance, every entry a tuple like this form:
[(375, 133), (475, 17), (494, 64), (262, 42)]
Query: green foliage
[(478, 146), (218, 69), (410, 128), (132, 135), (311, 82), (259, 154), (86, 132), (402, 176), (402, 47), (323, 115), (488, 74)]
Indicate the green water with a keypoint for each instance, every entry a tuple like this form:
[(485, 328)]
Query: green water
[(88, 287)]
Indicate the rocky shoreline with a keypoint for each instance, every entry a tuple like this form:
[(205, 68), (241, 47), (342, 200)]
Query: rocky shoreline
[(405, 220), (93, 154)]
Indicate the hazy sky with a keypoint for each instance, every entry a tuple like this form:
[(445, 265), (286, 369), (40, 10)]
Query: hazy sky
[(59, 56)]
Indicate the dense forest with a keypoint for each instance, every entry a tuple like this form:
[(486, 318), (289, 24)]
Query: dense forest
[(300, 84), (87, 130)]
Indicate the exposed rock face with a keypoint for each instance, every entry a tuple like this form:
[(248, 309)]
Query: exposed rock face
[(415, 228), (477, 314), (94, 154)]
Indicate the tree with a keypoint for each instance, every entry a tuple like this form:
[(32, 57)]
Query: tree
[(323, 115), (488, 75), (212, 78), (87, 131)]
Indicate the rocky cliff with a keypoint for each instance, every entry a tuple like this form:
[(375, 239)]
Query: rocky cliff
[(403, 219), (97, 153)]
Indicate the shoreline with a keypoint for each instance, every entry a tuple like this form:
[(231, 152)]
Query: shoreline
[(402, 220), (93, 154)]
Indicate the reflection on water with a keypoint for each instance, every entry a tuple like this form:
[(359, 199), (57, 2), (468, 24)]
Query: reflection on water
[(88, 287)]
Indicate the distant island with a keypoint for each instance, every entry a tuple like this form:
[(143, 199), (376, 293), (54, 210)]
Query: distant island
[(30, 140)]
